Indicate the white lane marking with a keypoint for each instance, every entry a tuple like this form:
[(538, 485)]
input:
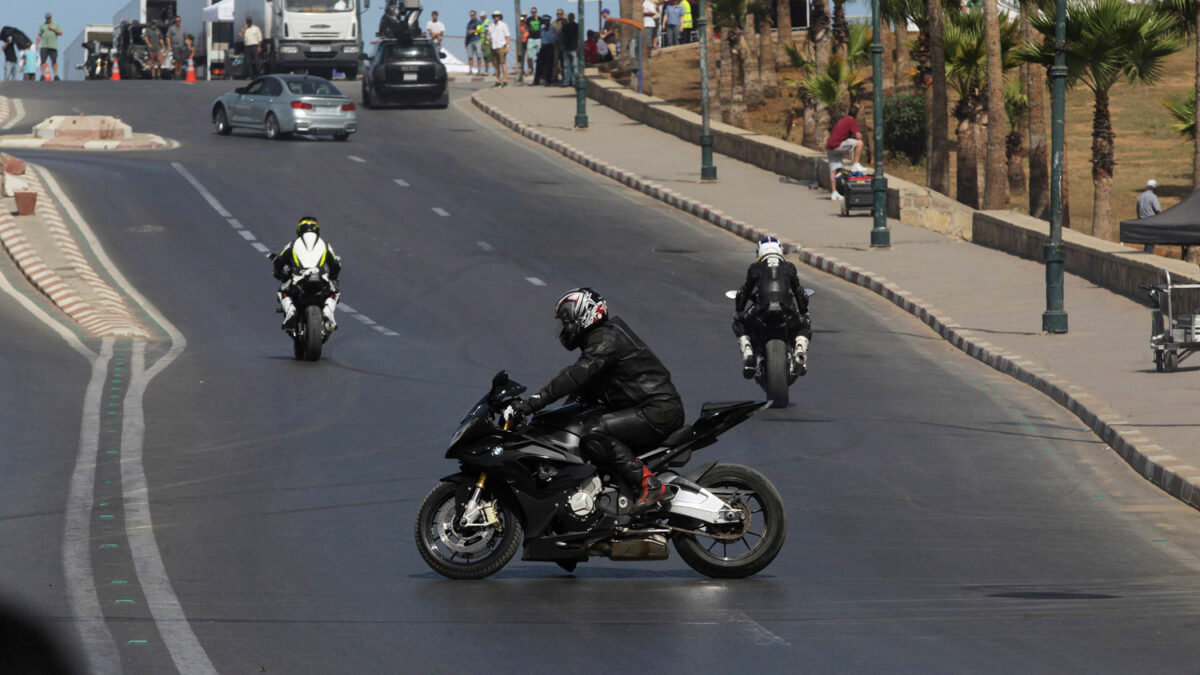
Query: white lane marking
[(364, 319), (98, 645), (208, 196), (247, 235), (261, 247), (235, 223), (756, 631), (535, 281), (172, 623), (484, 245), (358, 159), (386, 331), (346, 308), (440, 211), (189, 656), (19, 107), (401, 182)]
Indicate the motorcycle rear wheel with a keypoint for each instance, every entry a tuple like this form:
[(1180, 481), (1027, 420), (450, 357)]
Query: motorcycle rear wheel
[(459, 554), (312, 332), (747, 489), (776, 381)]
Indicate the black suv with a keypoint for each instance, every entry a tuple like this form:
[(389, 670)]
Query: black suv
[(405, 72)]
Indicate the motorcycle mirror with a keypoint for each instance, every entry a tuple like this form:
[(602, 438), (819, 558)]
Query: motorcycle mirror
[(809, 292), (272, 255), (732, 295)]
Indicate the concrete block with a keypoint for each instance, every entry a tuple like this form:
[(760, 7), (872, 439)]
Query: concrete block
[(16, 183), (82, 127), (12, 165)]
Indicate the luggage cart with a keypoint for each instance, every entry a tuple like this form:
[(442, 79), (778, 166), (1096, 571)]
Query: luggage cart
[(856, 191), (1172, 338)]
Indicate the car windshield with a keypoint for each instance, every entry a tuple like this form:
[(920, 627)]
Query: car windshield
[(408, 52), (312, 88), (319, 5)]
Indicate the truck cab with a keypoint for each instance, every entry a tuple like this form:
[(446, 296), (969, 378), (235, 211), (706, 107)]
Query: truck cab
[(316, 36)]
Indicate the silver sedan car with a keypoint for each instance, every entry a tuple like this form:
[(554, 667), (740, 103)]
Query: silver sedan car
[(282, 105)]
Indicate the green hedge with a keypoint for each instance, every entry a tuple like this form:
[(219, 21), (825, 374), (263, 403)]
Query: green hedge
[(904, 125)]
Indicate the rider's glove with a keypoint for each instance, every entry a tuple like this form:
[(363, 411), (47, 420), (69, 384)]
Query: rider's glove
[(529, 406)]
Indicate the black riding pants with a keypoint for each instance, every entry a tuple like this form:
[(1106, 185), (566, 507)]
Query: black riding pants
[(610, 439)]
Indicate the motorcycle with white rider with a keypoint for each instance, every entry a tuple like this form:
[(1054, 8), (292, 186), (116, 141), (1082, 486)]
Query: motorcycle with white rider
[(308, 295)]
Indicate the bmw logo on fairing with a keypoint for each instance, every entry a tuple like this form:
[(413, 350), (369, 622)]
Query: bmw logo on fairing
[(497, 450)]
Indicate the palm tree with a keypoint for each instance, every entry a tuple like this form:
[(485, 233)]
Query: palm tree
[(937, 168), (995, 183), (805, 62), (1183, 111), (783, 20), (819, 38), (767, 51), (1185, 15), (1016, 108), (1107, 41), (1036, 79), (729, 16), (751, 58), (841, 29)]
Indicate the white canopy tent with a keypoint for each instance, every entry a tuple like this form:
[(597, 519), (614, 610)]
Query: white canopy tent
[(221, 11)]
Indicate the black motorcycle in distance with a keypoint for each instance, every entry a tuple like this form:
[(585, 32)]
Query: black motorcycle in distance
[(772, 343), (524, 480), (310, 289)]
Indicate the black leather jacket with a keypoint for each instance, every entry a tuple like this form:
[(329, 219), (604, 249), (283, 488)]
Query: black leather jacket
[(615, 368), (772, 280)]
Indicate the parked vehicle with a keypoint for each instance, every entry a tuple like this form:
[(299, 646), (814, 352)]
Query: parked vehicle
[(526, 480), (132, 55), (405, 72), (282, 105), (306, 36)]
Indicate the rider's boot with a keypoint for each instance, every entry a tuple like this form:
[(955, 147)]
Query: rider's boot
[(327, 313), (649, 489), (800, 354), (748, 361), (289, 311)]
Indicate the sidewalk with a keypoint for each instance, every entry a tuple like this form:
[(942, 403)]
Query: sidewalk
[(987, 303)]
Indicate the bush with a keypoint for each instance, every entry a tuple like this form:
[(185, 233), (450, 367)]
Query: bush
[(904, 125)]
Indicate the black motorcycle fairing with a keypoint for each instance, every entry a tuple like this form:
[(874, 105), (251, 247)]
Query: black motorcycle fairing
[(715, 419)]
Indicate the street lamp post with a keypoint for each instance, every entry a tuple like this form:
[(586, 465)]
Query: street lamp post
[(581, 120), (708, 172), (881, 237), (1054, 319)]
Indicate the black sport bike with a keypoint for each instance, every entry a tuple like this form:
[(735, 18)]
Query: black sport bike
[(309, 290), (524, 481)]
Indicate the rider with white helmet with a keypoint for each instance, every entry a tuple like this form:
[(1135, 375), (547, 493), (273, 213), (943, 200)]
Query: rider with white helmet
[(772, 283)]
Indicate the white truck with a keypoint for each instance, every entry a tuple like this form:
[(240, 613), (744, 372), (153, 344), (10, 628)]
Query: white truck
[(316, 36)]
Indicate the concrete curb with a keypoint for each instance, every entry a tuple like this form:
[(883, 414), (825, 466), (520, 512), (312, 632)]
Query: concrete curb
[(6, 109), (148, 142), (110, 316), (1181, 481)]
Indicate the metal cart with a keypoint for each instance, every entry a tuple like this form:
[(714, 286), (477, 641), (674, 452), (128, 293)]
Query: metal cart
[(1172, 338), (856, 192)]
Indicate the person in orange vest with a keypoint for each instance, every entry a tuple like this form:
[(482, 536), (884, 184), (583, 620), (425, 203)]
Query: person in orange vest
[(522, 46)]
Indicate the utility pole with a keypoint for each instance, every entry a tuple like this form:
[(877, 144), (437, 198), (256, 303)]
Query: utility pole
[(581, 120), (1054, 319), (708, 172), (881, 236)]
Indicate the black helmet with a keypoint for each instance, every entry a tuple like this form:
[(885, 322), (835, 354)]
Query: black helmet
[(577, 311), (307, 224)]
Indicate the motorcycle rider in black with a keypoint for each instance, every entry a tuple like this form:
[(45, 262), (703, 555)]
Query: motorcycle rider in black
[(306, 251), (772, 281), (617, 369)]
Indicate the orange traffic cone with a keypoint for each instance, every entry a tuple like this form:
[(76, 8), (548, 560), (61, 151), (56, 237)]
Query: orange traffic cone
[(47, 74), (191, 71), (116, 72)]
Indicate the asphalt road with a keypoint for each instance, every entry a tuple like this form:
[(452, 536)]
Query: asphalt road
[(941, 516)]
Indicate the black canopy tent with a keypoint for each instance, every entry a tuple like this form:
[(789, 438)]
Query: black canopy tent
[(1178, 225)]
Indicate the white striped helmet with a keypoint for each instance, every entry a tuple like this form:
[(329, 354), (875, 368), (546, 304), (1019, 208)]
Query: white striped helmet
[(578, 310)]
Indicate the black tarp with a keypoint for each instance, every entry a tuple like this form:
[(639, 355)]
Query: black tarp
[(1179, 225), (20, 39)]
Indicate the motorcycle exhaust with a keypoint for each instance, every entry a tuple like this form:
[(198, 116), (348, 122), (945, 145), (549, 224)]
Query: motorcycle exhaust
[(651, 547)]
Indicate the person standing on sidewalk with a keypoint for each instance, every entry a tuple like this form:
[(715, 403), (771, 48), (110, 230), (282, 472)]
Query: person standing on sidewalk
[(177, 43), (1147, 202), (48, 43), (8, 35), (29, 63), (545, 63), (501, 40), (435, 30), (474, 55), (533, 45), (251, 48), (649, 26), (672, 22), (570, 45), (685, 24), (844, 138)]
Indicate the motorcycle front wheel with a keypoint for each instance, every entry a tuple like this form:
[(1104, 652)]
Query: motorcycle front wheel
[(463, 553), (737, 551)]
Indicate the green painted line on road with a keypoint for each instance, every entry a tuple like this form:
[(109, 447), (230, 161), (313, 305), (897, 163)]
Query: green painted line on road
[(103, 503), (123, 602), (119, 582), (110, 452), (106, 515), (108, 545), (139, 642)]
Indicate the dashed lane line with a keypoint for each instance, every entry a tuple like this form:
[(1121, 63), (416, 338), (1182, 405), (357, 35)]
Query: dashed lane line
[(484, 245), (18, 114), (253, 241), (535, 281), (358, 159), (401, 182), (440, 211)]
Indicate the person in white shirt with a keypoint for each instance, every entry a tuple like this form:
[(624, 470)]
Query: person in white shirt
[(500, 38), (649, 25), (435, 30), (252, 48)]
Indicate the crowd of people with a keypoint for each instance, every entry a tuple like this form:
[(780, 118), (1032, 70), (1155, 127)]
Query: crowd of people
[(31, 59), (546, 47)]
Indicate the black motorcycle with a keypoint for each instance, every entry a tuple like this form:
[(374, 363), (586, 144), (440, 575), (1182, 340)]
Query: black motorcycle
[(772, 339), (525, 480), (309, 290)]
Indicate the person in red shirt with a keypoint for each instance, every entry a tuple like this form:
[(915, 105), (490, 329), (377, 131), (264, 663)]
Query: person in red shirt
[(844, 138)]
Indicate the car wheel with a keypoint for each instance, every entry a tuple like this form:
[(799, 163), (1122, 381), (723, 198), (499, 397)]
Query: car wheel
[(444, 101), (272, 127), (221, 122)]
